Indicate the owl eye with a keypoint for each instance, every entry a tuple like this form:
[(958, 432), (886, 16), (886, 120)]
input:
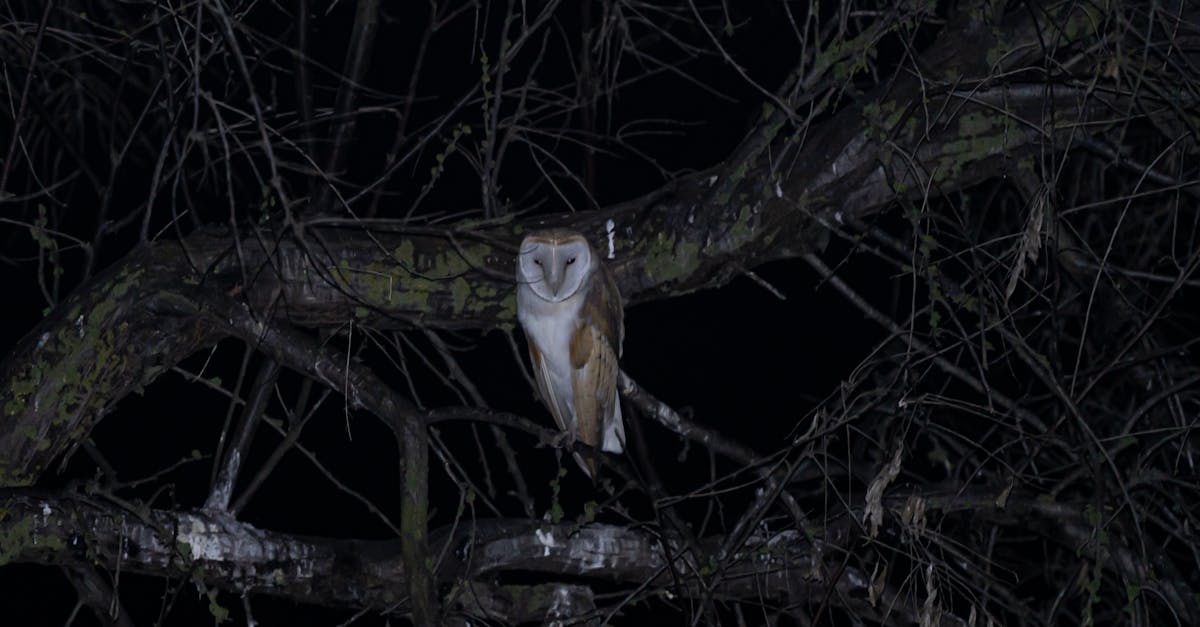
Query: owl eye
[(570, 261), (538, 261)]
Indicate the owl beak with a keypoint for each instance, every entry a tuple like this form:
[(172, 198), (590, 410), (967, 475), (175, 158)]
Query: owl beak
[(554, 280)]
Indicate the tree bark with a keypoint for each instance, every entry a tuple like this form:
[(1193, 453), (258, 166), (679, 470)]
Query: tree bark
[(699, 232), (373, 574)]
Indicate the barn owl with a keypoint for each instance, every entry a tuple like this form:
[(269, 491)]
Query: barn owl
[(570, 308)]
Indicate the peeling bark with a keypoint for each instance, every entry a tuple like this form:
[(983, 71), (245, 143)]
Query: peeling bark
[(371, 574)]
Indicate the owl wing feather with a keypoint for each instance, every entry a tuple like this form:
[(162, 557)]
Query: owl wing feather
[(606, 312), (595, 348)]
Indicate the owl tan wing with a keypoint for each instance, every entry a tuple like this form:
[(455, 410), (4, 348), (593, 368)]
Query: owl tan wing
[(595, 347), (593, 376), (605, 311)]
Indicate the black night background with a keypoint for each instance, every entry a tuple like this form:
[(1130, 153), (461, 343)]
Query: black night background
[(910, 329)]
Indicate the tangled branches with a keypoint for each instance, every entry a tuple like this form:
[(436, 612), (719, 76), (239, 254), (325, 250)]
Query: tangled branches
[(291, 228)]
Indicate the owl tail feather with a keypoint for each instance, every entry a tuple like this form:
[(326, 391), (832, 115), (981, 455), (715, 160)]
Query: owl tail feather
[(613, 438), (587, 464)]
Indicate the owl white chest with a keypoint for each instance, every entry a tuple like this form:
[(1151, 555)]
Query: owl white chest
[(550, 326)]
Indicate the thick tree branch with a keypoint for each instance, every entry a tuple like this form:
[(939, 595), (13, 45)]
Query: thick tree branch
[(698, 232), (222, 552), (237, 556)]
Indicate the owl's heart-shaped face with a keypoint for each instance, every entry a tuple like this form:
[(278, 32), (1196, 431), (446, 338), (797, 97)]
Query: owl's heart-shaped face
[(554, 268)]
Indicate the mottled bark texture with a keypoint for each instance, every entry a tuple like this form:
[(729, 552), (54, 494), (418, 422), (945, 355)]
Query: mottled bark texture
[(698, 232)]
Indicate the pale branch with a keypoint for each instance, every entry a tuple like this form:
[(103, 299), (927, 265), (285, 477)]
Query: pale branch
[(665, 415), (232, 555), (240, 557), (221, 492), (364, 389), (221, 551)]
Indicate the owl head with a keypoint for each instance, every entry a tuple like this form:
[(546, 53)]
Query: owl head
[(554, 264)]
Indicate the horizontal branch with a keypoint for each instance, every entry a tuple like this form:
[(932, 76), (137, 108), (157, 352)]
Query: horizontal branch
[(239, 557), (696, 232), (236, 556)]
